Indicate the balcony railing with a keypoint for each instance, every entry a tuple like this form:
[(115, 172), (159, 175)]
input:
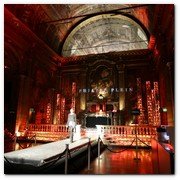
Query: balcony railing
[(115, 135), (127, 130), (47, 128), (124, 135)]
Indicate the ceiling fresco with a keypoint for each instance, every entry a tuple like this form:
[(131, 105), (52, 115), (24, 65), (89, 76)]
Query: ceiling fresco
[(87, 28), (105, 33)]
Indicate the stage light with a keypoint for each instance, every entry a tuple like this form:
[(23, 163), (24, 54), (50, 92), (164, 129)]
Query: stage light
[(100, 96), (164, 109)]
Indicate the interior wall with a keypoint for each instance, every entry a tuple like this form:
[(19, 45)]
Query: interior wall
[(89, 72)]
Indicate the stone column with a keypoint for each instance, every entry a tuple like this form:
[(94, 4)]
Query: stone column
[(23, 103), (104, 106), (121, 73), (57, 97), (121, 68), (53, 103), (57, 104), (83, 94)]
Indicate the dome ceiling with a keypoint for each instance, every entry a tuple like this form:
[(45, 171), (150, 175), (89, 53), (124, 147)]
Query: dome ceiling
[(87, 28), (105, 33)]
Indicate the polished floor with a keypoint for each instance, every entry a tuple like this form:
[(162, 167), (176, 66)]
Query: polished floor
[(129, 161)]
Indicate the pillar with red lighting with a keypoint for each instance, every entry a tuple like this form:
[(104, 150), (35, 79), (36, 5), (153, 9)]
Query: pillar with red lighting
[(140, 118), (73, 95), (62, 110), (150, 96), (157, 121)]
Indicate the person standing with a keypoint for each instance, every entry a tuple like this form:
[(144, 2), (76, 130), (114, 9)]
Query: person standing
[(71, 123)]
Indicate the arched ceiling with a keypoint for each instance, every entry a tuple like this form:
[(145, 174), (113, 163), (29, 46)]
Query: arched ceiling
[(57, 25), (105, 33)]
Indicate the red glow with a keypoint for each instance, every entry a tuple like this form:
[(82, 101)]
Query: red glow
[(149, 102), (140, 118), (157, 104), (62, 109), (48, 113), (156, 52), (152, 42), (73, 95)]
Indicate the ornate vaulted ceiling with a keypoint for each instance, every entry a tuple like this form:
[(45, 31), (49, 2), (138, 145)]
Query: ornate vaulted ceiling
[(87, 29), (105, 33)]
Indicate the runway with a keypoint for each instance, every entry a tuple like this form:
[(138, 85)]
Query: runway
[(43, 154)]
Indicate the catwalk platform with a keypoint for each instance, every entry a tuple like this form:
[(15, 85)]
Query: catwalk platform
[(37, 159)]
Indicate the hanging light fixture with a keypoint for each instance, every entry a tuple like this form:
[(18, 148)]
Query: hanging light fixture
[(100, 96)]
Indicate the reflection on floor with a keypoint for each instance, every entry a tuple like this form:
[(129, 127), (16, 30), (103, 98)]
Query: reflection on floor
[(122, 163)]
